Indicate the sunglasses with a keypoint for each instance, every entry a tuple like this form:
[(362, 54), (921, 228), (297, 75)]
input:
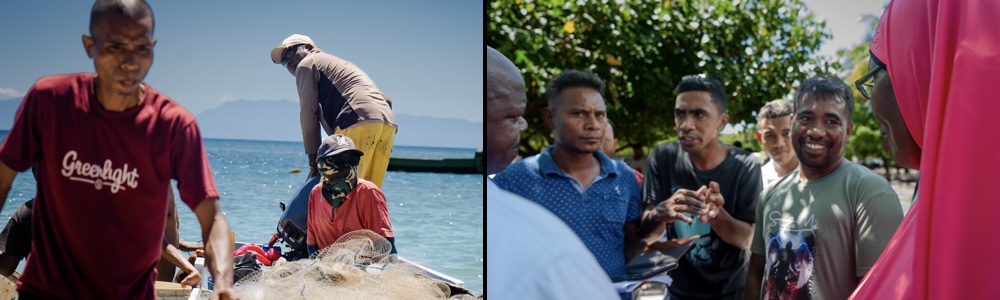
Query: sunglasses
[(346, 160), (287, 55), (866, 83)]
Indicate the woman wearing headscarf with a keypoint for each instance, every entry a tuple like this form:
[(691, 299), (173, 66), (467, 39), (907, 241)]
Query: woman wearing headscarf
[(933, 84)]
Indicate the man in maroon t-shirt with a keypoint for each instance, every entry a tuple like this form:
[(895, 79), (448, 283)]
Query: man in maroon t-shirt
[(106, 146)]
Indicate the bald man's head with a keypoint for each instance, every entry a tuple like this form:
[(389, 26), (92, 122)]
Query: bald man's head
[(505, 104)]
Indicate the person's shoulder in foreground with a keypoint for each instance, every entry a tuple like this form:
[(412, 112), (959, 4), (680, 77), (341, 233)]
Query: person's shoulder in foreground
[(534, 255), (519, 172)]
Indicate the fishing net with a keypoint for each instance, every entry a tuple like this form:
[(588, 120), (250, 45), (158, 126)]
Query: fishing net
[(357, 266), (8, 286)]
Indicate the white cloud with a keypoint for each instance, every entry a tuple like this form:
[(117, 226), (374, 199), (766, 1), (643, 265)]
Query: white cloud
[(228, 97), (10, 93)]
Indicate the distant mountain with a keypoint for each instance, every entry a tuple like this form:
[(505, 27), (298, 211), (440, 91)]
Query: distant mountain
[(252, 120), (8, 107), (279, 121)]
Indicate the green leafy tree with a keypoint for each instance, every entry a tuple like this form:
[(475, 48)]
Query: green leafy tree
[(759, 48)]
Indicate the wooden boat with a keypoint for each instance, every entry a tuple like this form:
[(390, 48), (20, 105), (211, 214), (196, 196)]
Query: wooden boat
[(446, 165)]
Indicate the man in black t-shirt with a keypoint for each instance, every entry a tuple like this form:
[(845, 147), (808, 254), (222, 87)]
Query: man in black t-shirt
[(700, 187)]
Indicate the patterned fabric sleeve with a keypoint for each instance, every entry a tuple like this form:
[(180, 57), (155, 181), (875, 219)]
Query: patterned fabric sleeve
[(635, 200)]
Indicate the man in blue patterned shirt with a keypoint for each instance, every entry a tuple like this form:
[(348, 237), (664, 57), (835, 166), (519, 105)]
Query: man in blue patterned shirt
[(598, 198)]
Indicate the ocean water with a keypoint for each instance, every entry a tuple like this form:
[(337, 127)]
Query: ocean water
[(437, 218)]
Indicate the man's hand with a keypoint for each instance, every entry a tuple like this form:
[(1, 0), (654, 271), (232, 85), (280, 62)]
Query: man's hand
[(313, 169), (713, 201), (671, 243), (218, 247), (190, 246), (683, 201), (193, 278)]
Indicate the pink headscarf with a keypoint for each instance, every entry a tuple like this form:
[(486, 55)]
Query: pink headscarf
[(943, 58)]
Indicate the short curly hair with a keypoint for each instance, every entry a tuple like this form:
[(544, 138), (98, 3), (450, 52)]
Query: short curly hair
[(704, 83), (826, 85), (775, 109), (571, 79)]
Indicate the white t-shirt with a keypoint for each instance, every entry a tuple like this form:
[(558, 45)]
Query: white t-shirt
[(768, 174), (534, 255)]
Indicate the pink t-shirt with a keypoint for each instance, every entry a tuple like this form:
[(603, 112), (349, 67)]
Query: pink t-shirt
[(103, 178), (364, 208)]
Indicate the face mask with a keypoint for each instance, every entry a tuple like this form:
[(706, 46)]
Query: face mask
[(336, 190)]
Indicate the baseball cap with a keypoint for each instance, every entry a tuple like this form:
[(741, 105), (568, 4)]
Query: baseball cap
[(295, 39), (336, 144)]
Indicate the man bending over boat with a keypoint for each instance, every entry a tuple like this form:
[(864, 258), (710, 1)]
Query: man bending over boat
[(343, 202), (106, 146), (337, 97)]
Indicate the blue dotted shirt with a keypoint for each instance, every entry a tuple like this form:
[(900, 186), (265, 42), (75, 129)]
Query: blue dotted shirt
[(597, 215)]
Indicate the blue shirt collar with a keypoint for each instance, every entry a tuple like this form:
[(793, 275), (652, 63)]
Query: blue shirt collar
[(548, 166)]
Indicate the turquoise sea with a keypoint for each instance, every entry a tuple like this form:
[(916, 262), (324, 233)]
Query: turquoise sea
[(437, 218)]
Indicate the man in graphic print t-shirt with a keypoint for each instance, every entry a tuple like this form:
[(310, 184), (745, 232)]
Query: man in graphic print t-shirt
[(820, 228)]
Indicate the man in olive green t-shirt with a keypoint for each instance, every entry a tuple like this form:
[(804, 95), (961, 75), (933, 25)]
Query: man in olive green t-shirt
[(820, 229)]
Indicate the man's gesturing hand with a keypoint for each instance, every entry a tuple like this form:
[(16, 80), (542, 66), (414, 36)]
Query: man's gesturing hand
[(713, 201), (683, 201)]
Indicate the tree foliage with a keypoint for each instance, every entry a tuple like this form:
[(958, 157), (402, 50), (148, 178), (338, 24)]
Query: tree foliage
[(760, 49)]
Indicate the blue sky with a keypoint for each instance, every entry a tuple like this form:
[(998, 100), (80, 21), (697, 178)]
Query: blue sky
[(843, 20), (427, 55)]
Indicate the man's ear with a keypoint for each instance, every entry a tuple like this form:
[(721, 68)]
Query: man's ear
[(760, 137), (547, 118), (88, 44), (723, 120)]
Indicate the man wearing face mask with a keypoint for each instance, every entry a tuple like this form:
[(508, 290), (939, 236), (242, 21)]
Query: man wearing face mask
[(343, 202)]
